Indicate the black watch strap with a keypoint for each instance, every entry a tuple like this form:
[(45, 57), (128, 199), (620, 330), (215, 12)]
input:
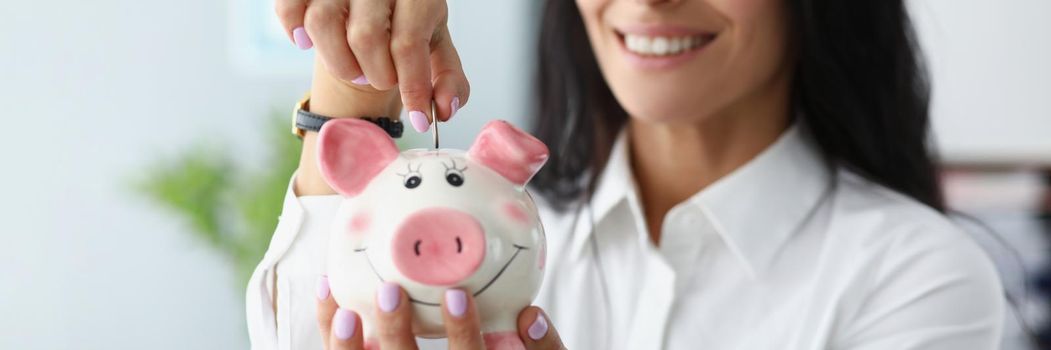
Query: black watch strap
[(305, 120)]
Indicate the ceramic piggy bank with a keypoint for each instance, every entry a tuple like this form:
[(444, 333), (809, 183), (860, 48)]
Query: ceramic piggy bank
[(431, 220)]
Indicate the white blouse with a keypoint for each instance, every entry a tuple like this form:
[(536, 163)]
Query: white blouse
[(783, 253)]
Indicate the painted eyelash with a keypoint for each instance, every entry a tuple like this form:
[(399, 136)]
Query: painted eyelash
[(453, 166), (410, 171)]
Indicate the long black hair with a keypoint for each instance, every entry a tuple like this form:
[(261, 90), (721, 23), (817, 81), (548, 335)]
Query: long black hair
[(858, 84)]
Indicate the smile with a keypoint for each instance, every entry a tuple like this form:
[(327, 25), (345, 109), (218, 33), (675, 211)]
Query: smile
[(518, 249), (661, 47), (647, 45)]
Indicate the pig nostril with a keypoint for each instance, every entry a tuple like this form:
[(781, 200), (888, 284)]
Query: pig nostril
[(459, 245), (417, 247)]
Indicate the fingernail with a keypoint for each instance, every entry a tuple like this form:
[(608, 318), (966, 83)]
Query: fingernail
[(538, 329), (344, 323), (456, 302), (302, 40), (389, 297), (419, 121), (361, 80), (322, 287), (455, 106)]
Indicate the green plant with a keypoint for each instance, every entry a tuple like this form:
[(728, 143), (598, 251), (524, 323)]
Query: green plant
[(229, 207)]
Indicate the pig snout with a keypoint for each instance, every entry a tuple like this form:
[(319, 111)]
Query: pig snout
[(438, 246)]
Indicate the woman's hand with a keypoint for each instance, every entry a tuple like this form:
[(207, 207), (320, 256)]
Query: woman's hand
[(376, 45), (341, 328)]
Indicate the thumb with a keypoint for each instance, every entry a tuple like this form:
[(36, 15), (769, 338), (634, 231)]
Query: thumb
[(536, 330)]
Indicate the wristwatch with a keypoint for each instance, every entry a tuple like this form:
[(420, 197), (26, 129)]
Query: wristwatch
[(303, 120)]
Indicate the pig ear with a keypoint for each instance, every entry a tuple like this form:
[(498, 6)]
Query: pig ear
[(351, 152), (509, 151)]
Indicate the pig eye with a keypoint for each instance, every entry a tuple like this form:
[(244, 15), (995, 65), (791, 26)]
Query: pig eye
[(411, 176), (454, 179), (413, 182), (454, 173)]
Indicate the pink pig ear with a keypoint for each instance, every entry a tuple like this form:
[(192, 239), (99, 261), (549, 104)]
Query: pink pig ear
[(351, 152), (509, 151)]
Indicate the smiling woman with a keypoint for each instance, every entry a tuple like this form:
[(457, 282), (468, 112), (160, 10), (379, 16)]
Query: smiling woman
[(745, 174), (702, 134)]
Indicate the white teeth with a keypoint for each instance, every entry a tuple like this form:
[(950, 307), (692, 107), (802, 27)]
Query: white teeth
[(676, 45), (643, 44), (661, 46)]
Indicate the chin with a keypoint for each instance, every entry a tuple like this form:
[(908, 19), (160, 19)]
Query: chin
[(667, 107)]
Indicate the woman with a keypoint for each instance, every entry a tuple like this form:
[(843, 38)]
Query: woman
[(725, 174)]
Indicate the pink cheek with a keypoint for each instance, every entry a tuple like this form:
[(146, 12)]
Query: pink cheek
[(515, 213), (359, 224)]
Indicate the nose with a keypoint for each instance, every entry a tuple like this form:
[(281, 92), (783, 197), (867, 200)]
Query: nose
[(438, 246)]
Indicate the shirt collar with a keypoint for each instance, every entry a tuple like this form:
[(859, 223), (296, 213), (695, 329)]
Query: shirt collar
[(755, 208)]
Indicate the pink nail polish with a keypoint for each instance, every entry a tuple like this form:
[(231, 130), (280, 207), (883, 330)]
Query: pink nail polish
[(455, 106), (361, 80), (301, 38), (538, 329), (388, 297), (322, 287), (344, 323), (456, 302), (419, 121)]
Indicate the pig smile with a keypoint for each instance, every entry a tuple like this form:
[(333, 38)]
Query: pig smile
[(518, 249)]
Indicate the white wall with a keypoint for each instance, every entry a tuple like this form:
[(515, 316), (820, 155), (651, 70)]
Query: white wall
[(92, 91), (991, 68)]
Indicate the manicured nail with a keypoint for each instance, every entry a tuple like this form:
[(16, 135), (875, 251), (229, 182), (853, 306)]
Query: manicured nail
[(344, 323), (322, 287), (389, 297), (361, 80), (456, 302), (455, 105), (302, 40), (538, 329), (419, 121)]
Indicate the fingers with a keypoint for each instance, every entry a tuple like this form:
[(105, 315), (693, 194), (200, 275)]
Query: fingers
[(451, 88), (290, 13), (369, 38), (412, 30), (536, 331), (326, 307), (346, 331), (340, 328), (462, 324), (379, 44), (394, 318), (326, 24)]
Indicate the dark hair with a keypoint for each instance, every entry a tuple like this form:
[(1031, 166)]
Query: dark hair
[(859, 85)]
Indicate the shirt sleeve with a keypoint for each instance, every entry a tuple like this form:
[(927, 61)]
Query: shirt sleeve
[(933, 291), (294, 246)]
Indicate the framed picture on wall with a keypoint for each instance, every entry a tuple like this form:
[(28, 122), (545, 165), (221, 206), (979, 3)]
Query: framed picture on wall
[(258, 45)]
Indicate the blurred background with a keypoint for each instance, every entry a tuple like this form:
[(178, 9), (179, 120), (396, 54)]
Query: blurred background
[(147, 152)]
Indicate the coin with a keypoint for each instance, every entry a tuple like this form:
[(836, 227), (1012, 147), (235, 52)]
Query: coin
[(434, 127)]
